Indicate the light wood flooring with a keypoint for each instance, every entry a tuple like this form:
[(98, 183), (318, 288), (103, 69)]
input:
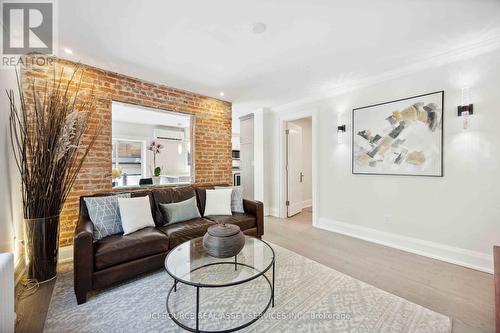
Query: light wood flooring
[(465, 295)]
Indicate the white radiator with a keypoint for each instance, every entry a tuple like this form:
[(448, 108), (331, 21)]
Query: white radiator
[(7, 315)]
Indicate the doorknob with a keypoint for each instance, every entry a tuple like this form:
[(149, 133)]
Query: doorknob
[(301, 176)]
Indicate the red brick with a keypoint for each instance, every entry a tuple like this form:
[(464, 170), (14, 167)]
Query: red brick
[(212, 130)]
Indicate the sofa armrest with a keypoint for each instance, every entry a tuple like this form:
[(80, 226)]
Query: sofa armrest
[(83, 258), (255, 208)]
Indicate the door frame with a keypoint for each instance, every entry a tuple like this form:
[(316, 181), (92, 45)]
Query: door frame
[(287, 166), (282, 120)]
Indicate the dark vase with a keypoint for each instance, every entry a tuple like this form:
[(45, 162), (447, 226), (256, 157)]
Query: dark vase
[(223, 240), (42, 247)]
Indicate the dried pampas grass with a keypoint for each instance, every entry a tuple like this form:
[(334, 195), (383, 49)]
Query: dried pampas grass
[(51, 139)]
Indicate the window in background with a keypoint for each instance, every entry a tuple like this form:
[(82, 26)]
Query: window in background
[(151, 144), (128, 160)]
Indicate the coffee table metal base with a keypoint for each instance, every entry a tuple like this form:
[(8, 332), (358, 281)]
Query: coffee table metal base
[(198, 287)]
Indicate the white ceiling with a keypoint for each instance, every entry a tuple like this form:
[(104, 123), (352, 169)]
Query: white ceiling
[(311, 48)]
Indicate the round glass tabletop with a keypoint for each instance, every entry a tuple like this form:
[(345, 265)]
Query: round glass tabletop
[(190, 264)]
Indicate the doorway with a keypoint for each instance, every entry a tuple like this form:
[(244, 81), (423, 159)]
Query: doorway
[(298, 167)]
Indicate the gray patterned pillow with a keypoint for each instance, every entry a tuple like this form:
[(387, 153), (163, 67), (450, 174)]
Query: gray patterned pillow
[(236, 198), (105, 214)]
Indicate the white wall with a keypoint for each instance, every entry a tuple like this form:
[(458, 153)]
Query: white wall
[(271, 163), (306, 188), (247, 158), (265, 157), (258, 154), (235, 127), (10, 196), (455, 218)]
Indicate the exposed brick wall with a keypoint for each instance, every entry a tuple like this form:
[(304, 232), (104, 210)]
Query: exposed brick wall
[(212, 143)]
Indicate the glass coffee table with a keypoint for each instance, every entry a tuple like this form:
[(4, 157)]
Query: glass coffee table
[(189, 264)]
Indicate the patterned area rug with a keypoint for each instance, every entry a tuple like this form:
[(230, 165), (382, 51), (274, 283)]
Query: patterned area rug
[(310, 297)]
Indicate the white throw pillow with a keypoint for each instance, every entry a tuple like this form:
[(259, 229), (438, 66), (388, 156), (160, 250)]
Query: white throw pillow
[(236, 198), (218, 202), (135, 214)]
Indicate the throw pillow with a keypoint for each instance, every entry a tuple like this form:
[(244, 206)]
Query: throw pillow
[(180, 211), (135, 214), (218, 202), (105, 214), (236, 198)]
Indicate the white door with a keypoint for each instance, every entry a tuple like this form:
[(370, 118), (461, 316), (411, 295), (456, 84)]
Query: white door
[(294, 169)]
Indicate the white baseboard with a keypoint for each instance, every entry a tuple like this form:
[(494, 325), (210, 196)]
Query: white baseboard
[(273, 211), (467, 258), (6, 247), (307, 203), (65, 254)]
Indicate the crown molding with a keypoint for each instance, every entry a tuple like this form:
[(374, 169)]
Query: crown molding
[(463, 52)]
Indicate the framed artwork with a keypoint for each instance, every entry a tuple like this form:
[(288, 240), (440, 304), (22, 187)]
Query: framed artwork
[(402, 137)]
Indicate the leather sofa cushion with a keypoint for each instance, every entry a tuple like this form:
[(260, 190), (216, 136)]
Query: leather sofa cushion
[(117, 249), (242, 220), (183, 231), (202, 197), (169, 195)]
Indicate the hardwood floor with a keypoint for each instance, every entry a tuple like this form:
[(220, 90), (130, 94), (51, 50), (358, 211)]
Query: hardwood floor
[(32, 310), (465, 295)]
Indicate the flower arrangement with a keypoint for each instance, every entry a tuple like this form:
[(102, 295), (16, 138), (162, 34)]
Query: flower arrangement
[(51, 138), (48, 141), (155, 147)]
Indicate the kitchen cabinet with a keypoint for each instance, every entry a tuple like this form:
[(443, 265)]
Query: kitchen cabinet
[(247, 155)]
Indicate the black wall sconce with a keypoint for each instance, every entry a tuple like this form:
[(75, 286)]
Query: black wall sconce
[(466, 109), (340, 133)]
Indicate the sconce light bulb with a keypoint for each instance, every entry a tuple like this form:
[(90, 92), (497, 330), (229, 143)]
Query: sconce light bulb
[(465, 120), (465, 96), (340, 133)]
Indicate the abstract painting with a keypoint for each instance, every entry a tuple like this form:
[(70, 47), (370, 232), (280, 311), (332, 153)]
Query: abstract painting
[(402, 137)]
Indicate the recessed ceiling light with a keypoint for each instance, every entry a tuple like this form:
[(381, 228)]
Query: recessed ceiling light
[(259, 28), (221, 94), (68, 51)]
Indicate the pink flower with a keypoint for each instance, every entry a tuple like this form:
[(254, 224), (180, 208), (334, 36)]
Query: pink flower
[(155, 147)]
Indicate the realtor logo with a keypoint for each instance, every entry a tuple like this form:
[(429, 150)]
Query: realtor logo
[(27, 28)]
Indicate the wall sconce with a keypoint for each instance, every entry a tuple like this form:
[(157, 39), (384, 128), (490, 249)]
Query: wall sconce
[(340, 133), (465, 109)]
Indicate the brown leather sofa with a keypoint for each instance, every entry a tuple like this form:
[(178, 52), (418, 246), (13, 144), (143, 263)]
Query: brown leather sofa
[(99, 264)]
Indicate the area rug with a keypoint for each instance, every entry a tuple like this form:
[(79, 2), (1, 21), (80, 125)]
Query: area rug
[(310, 297)]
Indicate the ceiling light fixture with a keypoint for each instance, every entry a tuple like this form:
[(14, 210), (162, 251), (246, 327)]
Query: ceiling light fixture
[(221, 94), (259, 28), (68, 51)]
